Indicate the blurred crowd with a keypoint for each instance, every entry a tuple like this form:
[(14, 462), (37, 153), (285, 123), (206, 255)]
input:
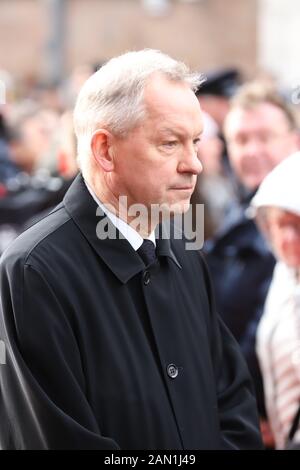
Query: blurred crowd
[(249, 187), (37, 149)]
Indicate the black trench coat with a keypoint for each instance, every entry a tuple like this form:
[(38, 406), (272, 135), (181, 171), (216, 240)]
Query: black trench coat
[(103, 353)]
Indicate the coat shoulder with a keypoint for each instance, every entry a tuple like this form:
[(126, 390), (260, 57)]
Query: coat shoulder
[(36, 238)]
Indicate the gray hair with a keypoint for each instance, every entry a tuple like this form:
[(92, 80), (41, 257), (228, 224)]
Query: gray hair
[(112, 97)]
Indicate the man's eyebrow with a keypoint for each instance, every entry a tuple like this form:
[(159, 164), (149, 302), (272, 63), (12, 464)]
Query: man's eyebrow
[(177, 132)]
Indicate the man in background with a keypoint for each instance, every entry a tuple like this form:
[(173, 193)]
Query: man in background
[(260, 131)]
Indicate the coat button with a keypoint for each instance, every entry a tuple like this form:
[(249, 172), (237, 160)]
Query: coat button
[(172, 371), (146, 278)]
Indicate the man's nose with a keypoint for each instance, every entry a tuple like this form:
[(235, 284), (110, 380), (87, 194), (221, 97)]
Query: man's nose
[(253, 147), (190, 162)]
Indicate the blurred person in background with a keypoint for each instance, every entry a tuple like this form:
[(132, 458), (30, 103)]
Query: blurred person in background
[(7, 93), (214, 97), (67, 165), (260, 131), (277, 210), (32, 129), (74, 82), (37, 149), (213, 188), (215, 93), (43, 165), (8, 169)]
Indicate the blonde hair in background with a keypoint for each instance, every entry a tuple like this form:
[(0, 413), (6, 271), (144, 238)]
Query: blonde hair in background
[(254, 93)]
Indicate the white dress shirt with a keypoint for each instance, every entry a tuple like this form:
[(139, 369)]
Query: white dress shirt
[(131, 235)]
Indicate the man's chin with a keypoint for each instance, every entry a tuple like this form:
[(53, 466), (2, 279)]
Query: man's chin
[(164, 211), (179, 207), (252, 183)]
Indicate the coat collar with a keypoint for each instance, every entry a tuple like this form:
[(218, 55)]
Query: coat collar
[(117, 253)]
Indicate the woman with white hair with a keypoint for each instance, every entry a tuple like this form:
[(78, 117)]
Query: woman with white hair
[(277, 210)]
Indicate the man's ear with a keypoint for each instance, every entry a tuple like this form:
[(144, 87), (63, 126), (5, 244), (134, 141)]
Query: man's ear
[(101, 145)]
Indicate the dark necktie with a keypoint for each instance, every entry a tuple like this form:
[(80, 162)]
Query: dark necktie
[(147, 252)]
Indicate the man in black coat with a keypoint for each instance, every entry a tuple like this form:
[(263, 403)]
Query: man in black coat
[(112, 339)]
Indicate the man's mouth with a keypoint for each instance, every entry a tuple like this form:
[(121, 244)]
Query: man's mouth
[(183, 188)]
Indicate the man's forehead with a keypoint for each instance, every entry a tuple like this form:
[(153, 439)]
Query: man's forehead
[(172, 107), (161, 91), (176, 121), (181, 128)]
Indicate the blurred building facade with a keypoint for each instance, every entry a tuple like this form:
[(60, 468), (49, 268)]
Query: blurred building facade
[(279, 42), (204, 33)]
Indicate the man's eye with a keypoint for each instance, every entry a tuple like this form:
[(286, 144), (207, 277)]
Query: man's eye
[(170, 143), (196, 141)]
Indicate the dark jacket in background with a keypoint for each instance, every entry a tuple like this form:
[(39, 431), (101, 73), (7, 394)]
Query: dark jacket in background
[(8, 169), (241, 266), (103, 353)]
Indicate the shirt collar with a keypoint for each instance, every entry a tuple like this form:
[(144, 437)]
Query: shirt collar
[(131, 235), (118, 254)]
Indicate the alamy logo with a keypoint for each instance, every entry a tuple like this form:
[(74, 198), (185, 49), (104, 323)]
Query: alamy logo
[(2, 353), (187, 224)]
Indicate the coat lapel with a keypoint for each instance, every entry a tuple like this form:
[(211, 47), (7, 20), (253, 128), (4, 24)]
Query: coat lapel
[(116, 252)]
